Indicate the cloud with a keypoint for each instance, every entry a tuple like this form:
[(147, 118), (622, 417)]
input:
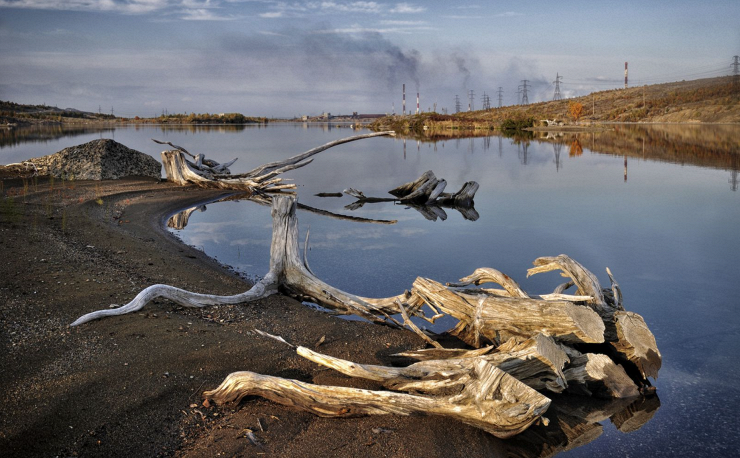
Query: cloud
[(350, 7), (127, 7), (300, 9), (407, 8), (407, 23), (202, 14)]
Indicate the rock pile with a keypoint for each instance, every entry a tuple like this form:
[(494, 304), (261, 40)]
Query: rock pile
[(103, 159)]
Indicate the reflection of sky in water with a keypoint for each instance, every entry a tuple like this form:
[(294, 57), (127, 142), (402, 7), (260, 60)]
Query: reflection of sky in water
[(669, 234)]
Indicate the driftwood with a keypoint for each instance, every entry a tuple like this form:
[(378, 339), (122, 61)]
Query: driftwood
[(489, 399), (531, 337), (425, 195), (209, 173), (493, 319), (626, 332), (537, 362)]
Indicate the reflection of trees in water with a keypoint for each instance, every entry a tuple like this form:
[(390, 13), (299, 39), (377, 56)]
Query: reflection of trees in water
[(44, 133), (575, 148), (704, 146)]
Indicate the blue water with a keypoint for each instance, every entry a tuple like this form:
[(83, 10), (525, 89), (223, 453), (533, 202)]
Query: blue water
[(668, 232)]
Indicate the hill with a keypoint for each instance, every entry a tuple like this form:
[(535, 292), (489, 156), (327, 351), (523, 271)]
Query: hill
[(713, 100)]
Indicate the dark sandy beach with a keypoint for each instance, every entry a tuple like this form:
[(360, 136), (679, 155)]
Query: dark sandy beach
[(132, 385)]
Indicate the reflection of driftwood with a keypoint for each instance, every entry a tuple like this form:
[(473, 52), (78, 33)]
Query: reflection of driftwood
[(534, 336), (487, 398), (576, 421), (209, 173), (179, 220), (425, 195)]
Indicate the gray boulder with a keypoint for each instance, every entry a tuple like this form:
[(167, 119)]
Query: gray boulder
[(103, 159)]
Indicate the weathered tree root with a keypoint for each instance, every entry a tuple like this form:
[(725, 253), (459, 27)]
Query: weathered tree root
[(491, 399)]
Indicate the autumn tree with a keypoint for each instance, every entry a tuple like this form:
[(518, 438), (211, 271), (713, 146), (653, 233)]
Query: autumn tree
[(575, 109)]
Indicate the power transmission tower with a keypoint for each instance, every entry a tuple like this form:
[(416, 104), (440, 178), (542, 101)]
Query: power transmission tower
[(500, 95), (736, 70), (525, 99), (557, 95), (457, 104), (486, 102), (471, 95)]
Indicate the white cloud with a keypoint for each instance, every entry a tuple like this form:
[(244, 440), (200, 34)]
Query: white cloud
[(272, 14), (130, 7), (351, 7), (202, 14), (408, 23), (405, 8), (357, 29)]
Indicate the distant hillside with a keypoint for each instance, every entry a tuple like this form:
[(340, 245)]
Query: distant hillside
[(18, 114), (715, 100)]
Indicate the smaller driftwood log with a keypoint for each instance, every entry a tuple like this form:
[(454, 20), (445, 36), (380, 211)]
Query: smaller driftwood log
[(425, 195)]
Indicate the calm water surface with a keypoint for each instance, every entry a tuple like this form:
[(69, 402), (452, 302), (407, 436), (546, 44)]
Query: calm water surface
[(659, 206)]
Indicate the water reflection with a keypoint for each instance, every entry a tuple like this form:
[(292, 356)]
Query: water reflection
[(45, 133), (710, 146), (576, 421)]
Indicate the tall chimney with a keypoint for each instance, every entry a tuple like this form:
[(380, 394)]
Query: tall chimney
[(404, 100), (417, 103), (625, 75)]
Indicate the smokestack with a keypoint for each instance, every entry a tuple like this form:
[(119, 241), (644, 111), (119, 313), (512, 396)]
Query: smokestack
[(404, 100), (417, 103), (625, 75)]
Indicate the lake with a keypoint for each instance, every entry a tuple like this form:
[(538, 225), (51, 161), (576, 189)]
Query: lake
[(658, 205)]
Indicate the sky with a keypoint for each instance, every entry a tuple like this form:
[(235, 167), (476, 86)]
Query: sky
[(291, 58)]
